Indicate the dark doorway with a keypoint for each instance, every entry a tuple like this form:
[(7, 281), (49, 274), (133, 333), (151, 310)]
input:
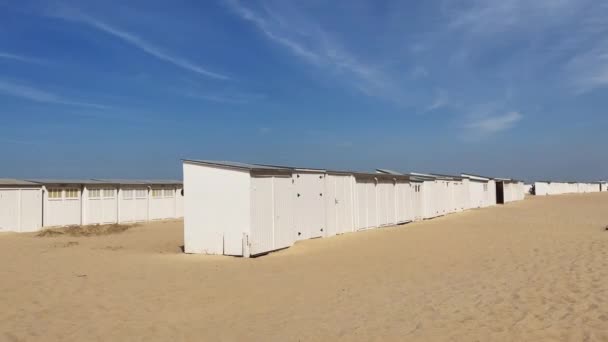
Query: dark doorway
[(500, 193)]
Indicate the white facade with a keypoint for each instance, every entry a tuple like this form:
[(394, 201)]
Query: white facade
[(62, 205), (557, 188), (100, 204), (365, 204), (84, 202), (476, 192), (20, 206), (508, 190), (490, 194), (480, 191), (133, 203), (339, 204), (309, 203), (245, 209), (404, 201), (417, 200), (237, 209)]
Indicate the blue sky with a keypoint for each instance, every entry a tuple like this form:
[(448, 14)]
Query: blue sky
[(126, 89)]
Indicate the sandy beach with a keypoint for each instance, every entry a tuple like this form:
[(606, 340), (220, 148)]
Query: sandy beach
[(535, 270)]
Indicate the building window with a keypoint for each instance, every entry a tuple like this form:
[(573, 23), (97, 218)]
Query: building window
[(168, 192), (157, 193), (55, 193), (141, 193), (72, 193), (94, 193), (108, 193), (127, 194)]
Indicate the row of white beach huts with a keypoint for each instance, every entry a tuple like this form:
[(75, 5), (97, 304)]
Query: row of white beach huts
[(249, 209), (29, 205), (544, 188)]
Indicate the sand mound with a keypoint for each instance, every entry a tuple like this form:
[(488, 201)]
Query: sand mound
[(92, 230)]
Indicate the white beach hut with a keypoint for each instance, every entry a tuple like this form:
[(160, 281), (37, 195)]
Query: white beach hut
[(166, 199), (366, 211), (541, 188), (63, 203), (309, 203), (408, 191), (239, 209), (477, 189), (453, 192), (20, 206), (339, 203), (508, 190), (68, 202), (100, 203), (430, 195), (129, 197)]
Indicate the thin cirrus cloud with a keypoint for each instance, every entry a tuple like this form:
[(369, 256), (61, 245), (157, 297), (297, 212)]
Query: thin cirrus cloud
[(18, 58), (136, 41), (441, 100), (490, 17), (494, 124), (42, 96), (307, 40), (570, 33), (225, 97), (589, 70)]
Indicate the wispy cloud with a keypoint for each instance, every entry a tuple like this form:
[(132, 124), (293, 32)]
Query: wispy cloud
[(265, 25), (589, 70), (264, 130), (491, 17), (441, 100), (22, 142), (18, 58), (223, 97), (559, 44), (136, 41), (38, 95), (306, 39), (494, 124), (419, 72)]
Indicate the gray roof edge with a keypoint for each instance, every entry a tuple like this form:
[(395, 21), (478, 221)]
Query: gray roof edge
[(99, 181), (236, 165), (16, 182)]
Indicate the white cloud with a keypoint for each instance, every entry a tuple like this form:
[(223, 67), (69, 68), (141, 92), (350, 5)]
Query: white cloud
[(19, 58), (223, 97), (419, 72), (441, 100), (490, 17), (37, 95), (589, 70), (308, 41), (493, 124), (134, 40), (264, 130), (266, 26)]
